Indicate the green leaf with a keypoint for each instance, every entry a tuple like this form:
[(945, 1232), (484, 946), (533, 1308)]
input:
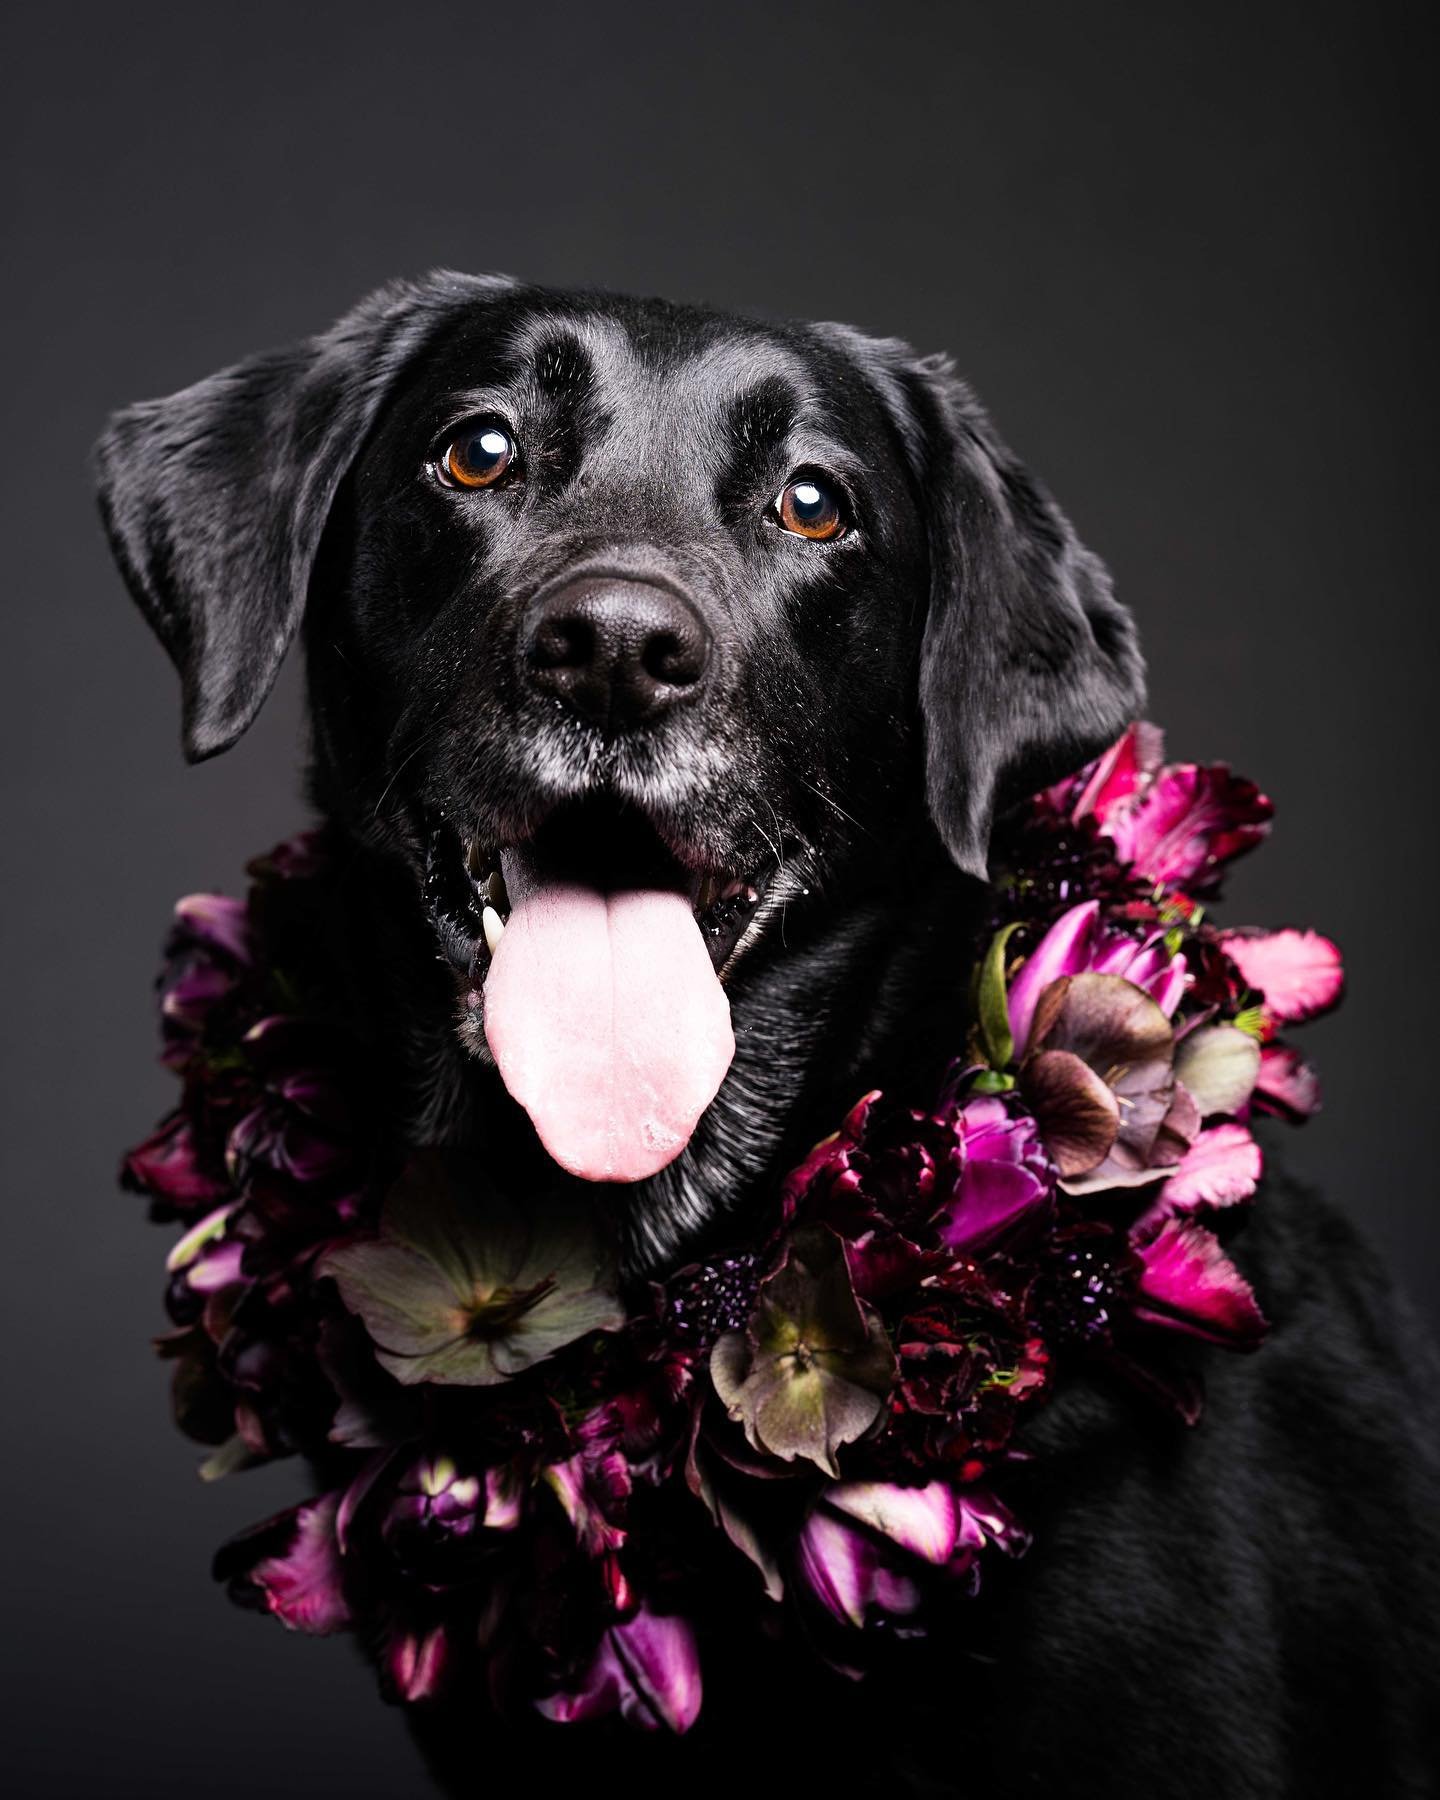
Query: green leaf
[(992, 1008)]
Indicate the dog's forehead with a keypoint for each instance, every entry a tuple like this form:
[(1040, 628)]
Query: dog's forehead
[(654, 360)]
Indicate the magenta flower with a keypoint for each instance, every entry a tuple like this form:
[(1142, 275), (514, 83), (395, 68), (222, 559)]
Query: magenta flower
[(1221, 1168), (1127, 767), (1079, 944), (1176, 823), (1006, 1177), (852, 1573), (1187, 823), (646, 1668), (1188, 1284)]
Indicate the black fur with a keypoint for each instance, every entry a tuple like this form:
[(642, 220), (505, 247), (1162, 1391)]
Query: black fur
[(1233, 1612)]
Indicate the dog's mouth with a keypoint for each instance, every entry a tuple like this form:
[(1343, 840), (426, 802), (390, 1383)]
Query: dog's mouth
[(598, 954)]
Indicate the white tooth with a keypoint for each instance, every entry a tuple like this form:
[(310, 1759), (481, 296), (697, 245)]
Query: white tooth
[(494, 926)]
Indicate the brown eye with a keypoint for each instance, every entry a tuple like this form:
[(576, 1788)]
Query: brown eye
[(478, 457), (810, 509)]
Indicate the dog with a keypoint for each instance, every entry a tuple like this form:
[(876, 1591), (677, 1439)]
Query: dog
[(666, 673)]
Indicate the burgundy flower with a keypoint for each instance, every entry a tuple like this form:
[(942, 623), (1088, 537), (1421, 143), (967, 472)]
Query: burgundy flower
[(168, 1166)]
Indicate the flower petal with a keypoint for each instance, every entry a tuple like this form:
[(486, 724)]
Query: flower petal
[(922, 1520), (1218, 1065), (1127, 766), (1189, 822), (1062, 951), (218, 922), (1221, 1168), (416, 1663), (1287, 1084), (847, 1572), (1078, 1116), (1188, 1284), (657, 1654), (1299, 972), (298, 1574), (167, 1167)]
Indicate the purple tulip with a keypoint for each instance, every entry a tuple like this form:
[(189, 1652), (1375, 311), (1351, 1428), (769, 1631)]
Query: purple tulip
[(865, 1549), (850, 1573), (434, 1506), (218, 923), (647, 1667), (1078, 944), (1006, 1176), (189, 991)]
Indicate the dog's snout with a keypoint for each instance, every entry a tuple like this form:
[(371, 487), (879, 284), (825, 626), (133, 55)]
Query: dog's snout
[(618, 652)]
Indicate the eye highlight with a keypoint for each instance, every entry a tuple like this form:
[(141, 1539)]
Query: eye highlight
[(810, 507), (479, 457)]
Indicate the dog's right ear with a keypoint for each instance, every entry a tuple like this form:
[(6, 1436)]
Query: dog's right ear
[(214, 499)]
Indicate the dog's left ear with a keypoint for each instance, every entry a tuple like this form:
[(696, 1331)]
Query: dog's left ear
[(1029, 666), (215, 498)]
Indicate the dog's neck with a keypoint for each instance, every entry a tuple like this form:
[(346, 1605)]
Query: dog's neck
[(834, 1000)]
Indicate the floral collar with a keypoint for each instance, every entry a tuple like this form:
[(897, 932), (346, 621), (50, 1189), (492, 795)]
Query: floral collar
[(536, 1492)]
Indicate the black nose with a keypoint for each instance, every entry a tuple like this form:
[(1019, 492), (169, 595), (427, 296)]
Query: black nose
[(619, 652)]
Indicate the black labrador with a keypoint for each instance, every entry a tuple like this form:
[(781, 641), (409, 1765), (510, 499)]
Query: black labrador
[(762, 625)]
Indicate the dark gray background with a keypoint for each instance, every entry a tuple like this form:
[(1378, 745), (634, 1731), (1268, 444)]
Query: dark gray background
[(1184, 253)]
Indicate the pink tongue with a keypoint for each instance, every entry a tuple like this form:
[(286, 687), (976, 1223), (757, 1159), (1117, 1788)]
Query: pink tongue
[(608, 1024)]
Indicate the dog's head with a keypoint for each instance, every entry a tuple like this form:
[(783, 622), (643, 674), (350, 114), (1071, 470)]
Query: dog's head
[(629, 626)]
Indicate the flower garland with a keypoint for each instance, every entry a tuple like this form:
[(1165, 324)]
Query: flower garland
[(535, 1491)]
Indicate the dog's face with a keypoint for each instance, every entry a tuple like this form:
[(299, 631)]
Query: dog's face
[(630, 628)]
